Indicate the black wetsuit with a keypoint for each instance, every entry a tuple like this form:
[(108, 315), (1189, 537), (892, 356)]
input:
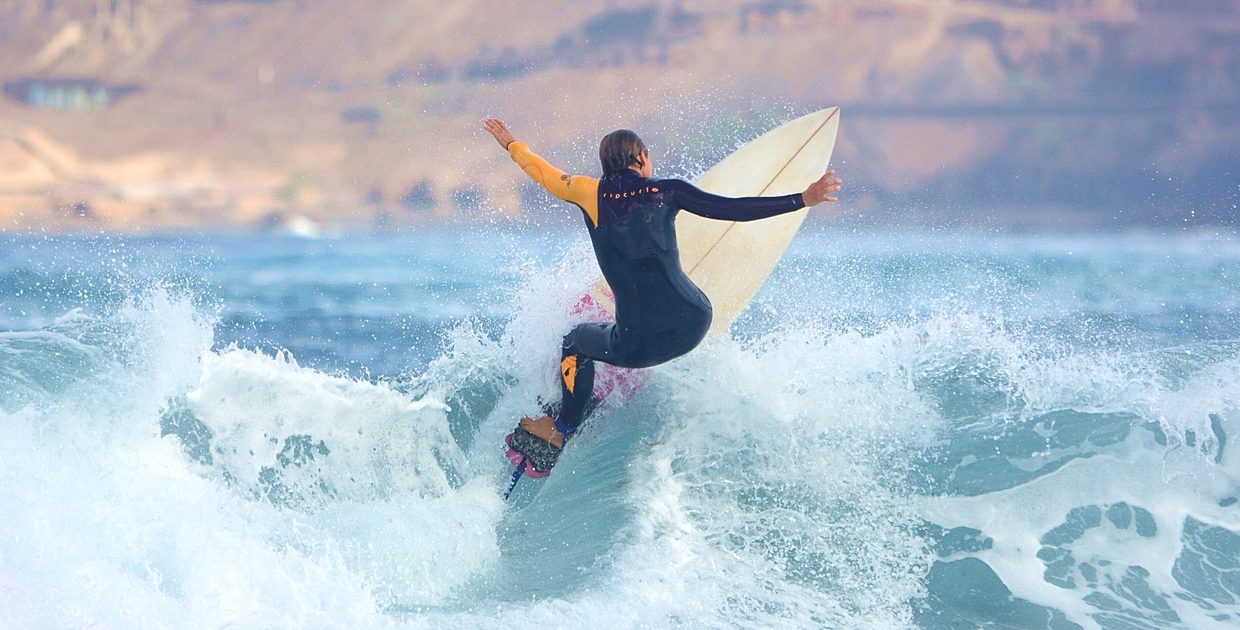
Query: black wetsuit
[(660, 313)]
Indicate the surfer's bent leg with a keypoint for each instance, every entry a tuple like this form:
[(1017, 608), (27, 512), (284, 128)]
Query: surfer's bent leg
[(535, 445), (577, 373)]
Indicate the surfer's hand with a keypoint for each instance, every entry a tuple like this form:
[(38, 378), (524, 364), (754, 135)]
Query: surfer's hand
[(822, 189), (498, 129)]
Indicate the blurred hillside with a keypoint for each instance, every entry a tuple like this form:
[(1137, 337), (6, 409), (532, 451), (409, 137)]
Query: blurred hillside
[(181, 114)]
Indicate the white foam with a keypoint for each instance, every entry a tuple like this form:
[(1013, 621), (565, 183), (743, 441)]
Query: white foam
[(1175, 481), (1017, 518), (110, 524), (362, 441)]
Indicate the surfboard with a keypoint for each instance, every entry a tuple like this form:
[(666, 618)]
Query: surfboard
[(784, 160)]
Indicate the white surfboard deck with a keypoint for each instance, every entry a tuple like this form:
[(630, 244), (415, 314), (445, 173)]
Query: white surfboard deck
[(731, 260)]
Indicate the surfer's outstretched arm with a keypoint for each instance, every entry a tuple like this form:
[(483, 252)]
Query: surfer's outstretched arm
[(577, 189), (712, 206)]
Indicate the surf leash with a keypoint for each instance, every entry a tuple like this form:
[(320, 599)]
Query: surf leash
[(516, 476)]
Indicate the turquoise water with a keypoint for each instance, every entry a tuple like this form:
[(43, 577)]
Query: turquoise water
[(935, 431)]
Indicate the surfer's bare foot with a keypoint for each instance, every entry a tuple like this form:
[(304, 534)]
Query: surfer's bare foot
[(544, 428)]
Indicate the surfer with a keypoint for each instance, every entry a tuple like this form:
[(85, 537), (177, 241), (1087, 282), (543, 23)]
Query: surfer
[(660, 314)]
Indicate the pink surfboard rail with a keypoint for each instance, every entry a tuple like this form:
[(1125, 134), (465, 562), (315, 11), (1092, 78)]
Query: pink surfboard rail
[(608, 379)]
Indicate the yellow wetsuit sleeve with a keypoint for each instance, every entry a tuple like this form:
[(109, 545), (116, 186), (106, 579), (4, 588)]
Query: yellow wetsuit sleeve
[(579, 189)]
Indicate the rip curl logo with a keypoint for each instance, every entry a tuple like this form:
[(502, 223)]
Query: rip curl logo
[(568, 369), (632, 193)]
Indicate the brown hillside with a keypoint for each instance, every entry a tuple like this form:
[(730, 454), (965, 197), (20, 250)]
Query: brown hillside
[(161, 114)]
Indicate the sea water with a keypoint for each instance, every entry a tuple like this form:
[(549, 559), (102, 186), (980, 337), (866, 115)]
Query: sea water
[(904, 430)]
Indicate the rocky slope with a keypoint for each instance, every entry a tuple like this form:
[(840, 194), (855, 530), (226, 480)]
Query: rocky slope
[(181, 114)]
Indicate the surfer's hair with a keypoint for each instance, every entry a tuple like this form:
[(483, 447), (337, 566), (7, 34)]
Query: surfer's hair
[(619, 150)]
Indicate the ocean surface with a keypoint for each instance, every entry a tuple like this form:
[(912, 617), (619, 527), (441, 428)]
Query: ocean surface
[(904, 430)]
